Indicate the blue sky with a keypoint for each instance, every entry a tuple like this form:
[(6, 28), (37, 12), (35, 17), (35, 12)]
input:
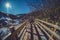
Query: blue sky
[(17, 6), (23, 6)]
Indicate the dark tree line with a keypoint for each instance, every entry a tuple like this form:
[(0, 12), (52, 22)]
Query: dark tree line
[(48, 9)]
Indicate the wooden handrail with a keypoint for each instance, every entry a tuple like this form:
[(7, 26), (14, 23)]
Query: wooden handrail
[(50, 31), (14, 33), (52, 25), (45, 32)]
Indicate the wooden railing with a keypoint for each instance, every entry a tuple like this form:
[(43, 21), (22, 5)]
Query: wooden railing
[(49, 29), (16, 34)]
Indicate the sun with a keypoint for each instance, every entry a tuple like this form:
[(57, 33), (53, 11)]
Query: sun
[(8, 5)]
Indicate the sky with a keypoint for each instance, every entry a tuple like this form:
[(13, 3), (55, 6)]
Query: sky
[(23, 6), (17, 6)]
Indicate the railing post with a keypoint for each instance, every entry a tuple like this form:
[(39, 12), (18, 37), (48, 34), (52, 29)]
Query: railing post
[(53, 29), (12, 29), (14, 34)]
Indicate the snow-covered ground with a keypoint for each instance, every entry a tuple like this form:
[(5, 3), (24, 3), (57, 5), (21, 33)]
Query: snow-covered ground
[(4, 31)]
